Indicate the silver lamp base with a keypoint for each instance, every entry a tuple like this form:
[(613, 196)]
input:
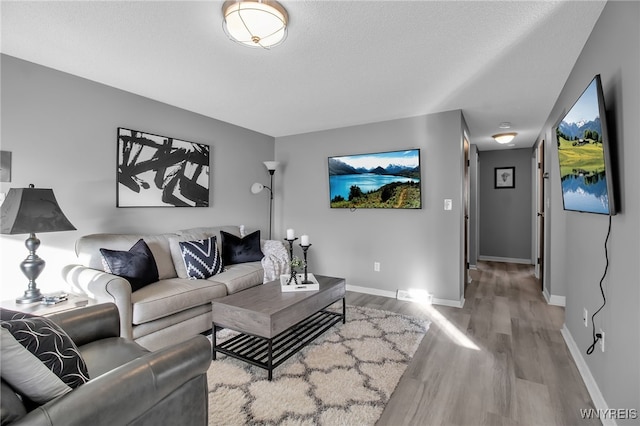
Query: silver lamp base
[(31, 267), (30, 296)]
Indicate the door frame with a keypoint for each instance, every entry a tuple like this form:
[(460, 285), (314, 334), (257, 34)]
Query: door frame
[(465, 209), (540, 211)]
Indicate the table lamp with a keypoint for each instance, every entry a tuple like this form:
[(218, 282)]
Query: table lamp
[(27, 211)]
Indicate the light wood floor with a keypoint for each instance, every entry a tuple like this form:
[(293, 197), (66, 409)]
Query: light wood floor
[(500, 360)]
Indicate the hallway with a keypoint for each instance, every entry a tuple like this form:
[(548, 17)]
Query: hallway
[(500, 360)]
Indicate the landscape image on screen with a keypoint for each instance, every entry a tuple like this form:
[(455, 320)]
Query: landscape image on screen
[(380, 180), (581, 156)]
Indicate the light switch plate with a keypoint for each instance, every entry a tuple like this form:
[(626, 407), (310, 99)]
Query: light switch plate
[(448, 204)]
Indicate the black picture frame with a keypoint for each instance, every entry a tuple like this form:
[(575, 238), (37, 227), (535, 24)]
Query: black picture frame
[(160, 171), (504, 177)]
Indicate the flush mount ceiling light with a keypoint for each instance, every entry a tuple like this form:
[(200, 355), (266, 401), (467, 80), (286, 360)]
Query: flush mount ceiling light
[(255, 23), (504, 137)]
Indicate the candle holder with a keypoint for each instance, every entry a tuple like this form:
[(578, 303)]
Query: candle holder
[(290, 247), (304, 253), (293, 278)]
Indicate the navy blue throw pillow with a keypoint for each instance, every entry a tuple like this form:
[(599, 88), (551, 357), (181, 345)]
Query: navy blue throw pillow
[(136, 265), (240, 250), (201, 258)]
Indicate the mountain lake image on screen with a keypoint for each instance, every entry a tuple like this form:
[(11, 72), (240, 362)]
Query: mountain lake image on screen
[(583, 155), (377, 180)]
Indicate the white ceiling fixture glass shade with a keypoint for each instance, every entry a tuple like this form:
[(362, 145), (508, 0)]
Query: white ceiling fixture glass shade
[(503, 138), (255, 23)]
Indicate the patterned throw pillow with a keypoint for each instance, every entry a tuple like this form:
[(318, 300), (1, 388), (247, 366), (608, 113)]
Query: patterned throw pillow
[(136, 265), (201, 258), (241, 250), (39, 360), (8, 314)]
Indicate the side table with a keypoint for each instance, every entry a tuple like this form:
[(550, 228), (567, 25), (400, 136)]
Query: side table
[(73, 301)]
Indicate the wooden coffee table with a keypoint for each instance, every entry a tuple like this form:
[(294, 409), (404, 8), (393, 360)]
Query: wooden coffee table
[(274, 325)]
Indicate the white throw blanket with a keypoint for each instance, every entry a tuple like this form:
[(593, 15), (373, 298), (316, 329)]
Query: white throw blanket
[(275, 261)]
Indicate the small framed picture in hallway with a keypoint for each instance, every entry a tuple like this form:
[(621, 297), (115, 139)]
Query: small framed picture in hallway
[(505, 177)]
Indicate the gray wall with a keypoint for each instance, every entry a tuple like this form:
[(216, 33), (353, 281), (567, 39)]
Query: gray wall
[(577, 257), (416, 248), (505, 213), (61, 131)]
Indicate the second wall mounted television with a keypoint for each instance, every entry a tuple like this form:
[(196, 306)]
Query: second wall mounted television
[(378, 180), (584, 154)]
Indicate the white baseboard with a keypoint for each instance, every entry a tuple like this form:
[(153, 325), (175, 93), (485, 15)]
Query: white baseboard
[(505, 259), (589, 381), (393, 294), (553, 299), (448, 302), (372, 291)]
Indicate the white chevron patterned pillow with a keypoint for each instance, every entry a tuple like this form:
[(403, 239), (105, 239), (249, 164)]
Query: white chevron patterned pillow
[(201, 258)]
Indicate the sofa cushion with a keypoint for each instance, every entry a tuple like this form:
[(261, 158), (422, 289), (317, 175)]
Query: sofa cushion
[(210, 231), (104, 355), (88, 249), (240, 276), (39, 360), (240, 250), (201, 258), (182, 317), (167, 297), (137, 264)]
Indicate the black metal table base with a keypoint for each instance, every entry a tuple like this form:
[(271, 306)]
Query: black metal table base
[(269, 353)]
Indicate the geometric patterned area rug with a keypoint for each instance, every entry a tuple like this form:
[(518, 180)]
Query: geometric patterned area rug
[(345, 377)]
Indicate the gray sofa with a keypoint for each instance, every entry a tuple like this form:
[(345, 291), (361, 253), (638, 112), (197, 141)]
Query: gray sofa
[(128, 385), (174, 308)]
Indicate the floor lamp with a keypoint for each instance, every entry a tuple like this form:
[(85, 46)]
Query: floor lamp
[(258, 187), (27, 211)]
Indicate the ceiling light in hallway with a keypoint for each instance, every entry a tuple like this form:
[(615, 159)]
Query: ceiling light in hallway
[(503, 138)]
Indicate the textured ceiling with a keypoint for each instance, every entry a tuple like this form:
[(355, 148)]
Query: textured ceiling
[(343, 63)]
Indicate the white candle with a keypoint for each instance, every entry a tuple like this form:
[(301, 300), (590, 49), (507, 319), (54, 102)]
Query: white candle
[(290, 234), (304, 240)]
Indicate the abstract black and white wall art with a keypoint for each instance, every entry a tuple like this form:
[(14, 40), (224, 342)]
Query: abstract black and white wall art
[(159, 171)]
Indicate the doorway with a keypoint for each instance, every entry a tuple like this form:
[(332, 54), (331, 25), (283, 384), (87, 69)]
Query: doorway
[(465, 192), (540, 212)]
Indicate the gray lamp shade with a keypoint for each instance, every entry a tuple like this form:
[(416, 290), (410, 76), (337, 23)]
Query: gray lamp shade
[(31, 211)]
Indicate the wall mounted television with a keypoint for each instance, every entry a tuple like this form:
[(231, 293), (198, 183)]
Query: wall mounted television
[(584, 155), (389, 180)]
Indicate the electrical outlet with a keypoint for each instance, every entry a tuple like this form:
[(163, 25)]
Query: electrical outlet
[(601, 340), (448, 204), (376, 266), (585, 317)]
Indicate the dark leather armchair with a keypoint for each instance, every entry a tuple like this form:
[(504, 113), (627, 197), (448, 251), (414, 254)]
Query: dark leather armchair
[(129, 385)]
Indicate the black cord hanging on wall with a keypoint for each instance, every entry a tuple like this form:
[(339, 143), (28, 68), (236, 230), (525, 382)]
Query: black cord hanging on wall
[(598, 336)]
